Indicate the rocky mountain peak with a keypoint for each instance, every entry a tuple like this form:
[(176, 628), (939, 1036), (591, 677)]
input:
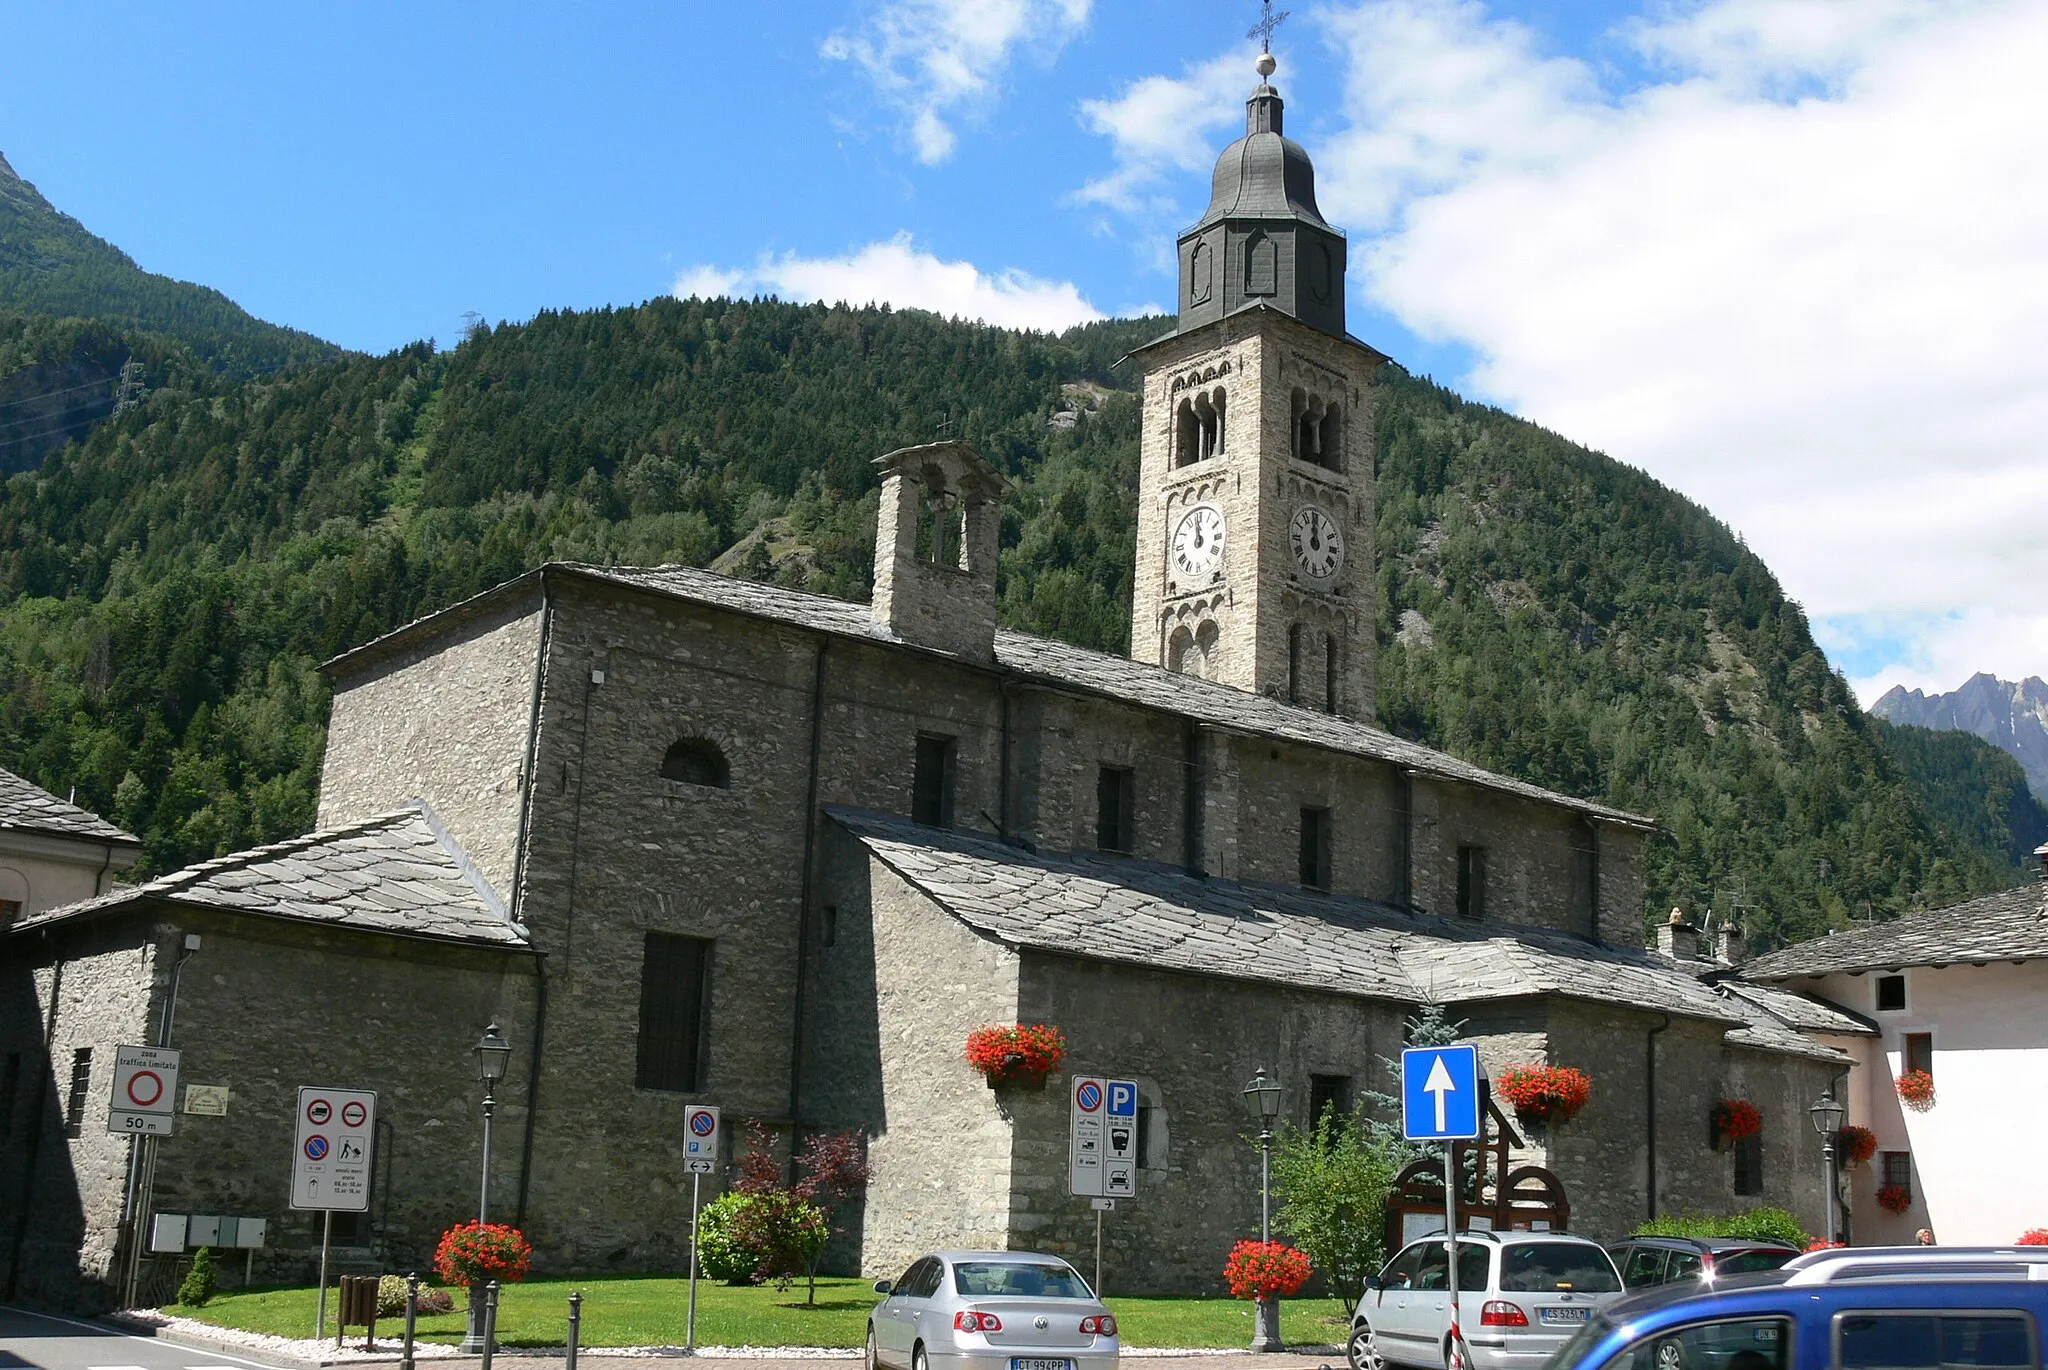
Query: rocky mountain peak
[(2010, 716)]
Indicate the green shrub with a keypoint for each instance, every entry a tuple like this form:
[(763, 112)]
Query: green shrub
[(1756, 1224), (721, 1253), (391, 1299), (200, 1283)]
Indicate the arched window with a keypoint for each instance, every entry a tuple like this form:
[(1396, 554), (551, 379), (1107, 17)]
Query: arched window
[(695, 761), (1187, 442), (1180, 648), (1332, 667), (1206, 642), (1330, 439)]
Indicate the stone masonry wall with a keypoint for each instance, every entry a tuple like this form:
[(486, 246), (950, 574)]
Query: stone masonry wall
[(67, 1209), (1191, 1043), (446, 722)]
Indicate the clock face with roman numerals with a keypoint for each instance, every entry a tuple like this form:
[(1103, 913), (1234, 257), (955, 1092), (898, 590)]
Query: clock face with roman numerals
[(1318, 546), (1197, 548)]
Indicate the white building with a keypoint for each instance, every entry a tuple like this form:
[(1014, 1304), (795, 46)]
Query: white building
[(53, 853), (1961, 993)]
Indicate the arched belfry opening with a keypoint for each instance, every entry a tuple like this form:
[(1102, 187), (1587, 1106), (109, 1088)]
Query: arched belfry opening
[(935, 548)]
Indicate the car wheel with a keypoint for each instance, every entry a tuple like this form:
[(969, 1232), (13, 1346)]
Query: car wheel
[(1670, 1355), (918, 1360), (874, 1361), (1363, 1350)]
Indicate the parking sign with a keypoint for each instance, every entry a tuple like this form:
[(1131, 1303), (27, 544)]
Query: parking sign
[(1102, 1139), (700, 1139)]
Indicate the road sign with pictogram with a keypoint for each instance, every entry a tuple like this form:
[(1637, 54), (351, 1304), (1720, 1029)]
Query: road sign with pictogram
[(700, 1139), (1440, 1093), (331, 1149), (145, 1097), (1102, 1138)]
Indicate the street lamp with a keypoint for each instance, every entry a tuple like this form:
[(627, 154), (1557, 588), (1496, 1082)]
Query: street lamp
[(1827, 1121), (1262, 1095), (492, 1051)]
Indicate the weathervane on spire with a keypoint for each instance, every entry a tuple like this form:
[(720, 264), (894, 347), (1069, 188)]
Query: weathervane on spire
[(1268, 21)]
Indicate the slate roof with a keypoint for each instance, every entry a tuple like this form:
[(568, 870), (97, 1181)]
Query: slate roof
[(2009, 926), (397, 873), (1141, 913), (1061, 666), (1802, 1011), (31, 808)]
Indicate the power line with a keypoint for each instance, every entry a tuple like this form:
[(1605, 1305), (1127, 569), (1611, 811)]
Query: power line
[(69, 389)]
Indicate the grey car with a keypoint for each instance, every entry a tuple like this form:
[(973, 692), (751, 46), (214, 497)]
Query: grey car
[(990, 1310), (1521, 1295)]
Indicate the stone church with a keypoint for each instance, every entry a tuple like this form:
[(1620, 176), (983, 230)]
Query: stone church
[(687, 838)]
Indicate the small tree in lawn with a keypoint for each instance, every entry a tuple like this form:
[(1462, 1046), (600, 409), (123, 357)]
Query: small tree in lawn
[(1333, 1181), (200, 1282), (785, 1228), (831, 1168)]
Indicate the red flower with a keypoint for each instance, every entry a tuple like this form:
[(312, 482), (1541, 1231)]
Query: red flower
[(1735, 1119), (1264, 1270), (1894, 1198), (1822, 1244), (1543, 1093), (470, 1254), (2033, 1236), (1018, 1050), (1857, 1144), (1916, 1090)]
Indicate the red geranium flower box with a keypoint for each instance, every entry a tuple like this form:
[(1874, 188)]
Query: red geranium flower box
[(1894, 1198), (2033, 1236), (472, 1253), (1265, 1270), (1916, 1090), (1735, 1119), (1857, 1144), (1545, 1093), (1017, 1053)]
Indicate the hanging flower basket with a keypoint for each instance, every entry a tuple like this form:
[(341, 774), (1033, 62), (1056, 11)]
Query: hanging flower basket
[(1916, 1090), (1018, 1054), (1265, 1270), (1823, 1244), (1857, 1144), (1545, 1094), (1735, 1119), (1894, 1198), (472, 1253)]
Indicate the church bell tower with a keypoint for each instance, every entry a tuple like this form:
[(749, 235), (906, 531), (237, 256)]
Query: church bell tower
[(1255, 486)]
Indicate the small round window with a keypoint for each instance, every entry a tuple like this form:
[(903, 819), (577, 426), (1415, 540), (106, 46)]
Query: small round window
[(694, 761)]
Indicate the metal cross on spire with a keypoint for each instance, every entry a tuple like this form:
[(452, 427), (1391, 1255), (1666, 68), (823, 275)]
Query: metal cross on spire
[(1268, 21)]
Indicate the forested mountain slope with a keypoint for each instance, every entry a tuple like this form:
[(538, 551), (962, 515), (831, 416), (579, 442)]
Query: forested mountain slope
[(1975, 788), (170, 583), (50, 264)]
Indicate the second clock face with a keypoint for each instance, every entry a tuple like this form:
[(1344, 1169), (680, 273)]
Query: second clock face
[(1318, 546), (1198, 541)]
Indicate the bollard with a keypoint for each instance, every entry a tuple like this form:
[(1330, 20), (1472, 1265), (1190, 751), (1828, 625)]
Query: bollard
[(490, 1322), (412, 1316), (575, 1328)]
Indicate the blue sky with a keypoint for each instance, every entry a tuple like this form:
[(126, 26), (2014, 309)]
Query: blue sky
[(1790, 256)]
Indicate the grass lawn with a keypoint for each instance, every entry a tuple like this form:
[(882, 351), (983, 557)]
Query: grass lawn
[(652, 1310)]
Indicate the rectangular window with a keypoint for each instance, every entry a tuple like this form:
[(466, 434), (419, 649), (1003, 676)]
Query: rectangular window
[(674, 972), (1116, 803), (931, 786), (10, 1091), (1919, 1051), (1315, 848), (81, 1089), (1330, 674), (350, 1229), (1294, 663), (828, 925), (10, 909), (1898, 1169), (1471, 882), (1925, 1341), (1749, 1164), (1891, 993), (1328, 1094)]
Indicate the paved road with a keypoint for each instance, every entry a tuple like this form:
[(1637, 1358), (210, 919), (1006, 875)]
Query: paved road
[(47, 1342)]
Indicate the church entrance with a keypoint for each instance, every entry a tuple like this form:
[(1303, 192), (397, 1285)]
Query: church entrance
[(1527, 1198)]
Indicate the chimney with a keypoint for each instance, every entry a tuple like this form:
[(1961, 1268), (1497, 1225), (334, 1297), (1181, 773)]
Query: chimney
[(935, 548), (2041, 855), (1679, 939), (1728, 942)]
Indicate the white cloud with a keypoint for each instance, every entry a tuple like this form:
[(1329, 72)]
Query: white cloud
[(898, 273), (1937, 653), (936, 61), (1800, 273), (1160, 131)]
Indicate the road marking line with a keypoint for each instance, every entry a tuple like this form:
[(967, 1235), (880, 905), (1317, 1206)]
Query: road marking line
[(101, 1329), (116, 1367)]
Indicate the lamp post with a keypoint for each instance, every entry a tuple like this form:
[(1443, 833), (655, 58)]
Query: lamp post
[(1263, 1096), (1827, 1121), (492, 1052)]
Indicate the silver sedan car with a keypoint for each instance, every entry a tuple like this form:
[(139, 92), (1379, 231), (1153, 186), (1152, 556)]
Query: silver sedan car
[(990, 1310)]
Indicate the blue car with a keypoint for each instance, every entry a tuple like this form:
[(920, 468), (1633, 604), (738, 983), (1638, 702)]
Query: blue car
[(1871, 1308)]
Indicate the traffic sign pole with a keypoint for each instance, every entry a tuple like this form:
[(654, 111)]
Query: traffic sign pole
[(1456, 1360), (690, 1337)]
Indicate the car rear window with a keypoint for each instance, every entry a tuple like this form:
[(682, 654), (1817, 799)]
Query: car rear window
[(1920, 1341), (1749, 1262), (1017, 1280), (1535, 1267)]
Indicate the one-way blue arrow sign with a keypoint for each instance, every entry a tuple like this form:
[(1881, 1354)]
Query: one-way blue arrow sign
[(1440, 1093)]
